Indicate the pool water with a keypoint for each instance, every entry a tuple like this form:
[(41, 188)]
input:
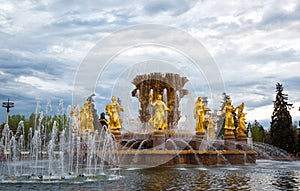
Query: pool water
[(264, 175)]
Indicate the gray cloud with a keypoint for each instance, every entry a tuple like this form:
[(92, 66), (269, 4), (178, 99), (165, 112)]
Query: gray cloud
[(42, 43), (277, 17), (157, 7)]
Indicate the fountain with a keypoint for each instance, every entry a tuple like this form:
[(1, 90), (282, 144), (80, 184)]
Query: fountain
[(166, 144), (87, 147), (76, 152)]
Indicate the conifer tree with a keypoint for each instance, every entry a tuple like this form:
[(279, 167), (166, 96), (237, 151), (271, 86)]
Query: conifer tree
[(282, 132)]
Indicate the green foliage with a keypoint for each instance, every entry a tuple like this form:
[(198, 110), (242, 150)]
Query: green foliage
[(46, 124), (258, 133), (14, 122), (298, 138), (268, 138), (282, 132)]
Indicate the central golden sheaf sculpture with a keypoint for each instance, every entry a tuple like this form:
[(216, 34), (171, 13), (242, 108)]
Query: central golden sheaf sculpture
[(167, 88)]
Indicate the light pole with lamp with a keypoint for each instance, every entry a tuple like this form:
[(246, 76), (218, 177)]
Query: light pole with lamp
[(8, 105)]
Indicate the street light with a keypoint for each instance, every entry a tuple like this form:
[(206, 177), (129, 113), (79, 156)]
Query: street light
[(299, 121), (8, 105)]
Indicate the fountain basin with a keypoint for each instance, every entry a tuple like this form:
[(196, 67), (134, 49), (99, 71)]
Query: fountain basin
[(144, 158)]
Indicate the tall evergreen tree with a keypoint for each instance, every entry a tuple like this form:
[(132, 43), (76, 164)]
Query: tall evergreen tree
[(282, 132)]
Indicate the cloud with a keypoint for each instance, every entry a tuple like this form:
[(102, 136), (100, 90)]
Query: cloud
[(254, 44), (40, 84), (281, 14), (171, 7)]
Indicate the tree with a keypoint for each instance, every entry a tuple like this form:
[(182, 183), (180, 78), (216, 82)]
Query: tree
[(298, 138), (257, 132), (13, 122), (32, 122), (282, 132)]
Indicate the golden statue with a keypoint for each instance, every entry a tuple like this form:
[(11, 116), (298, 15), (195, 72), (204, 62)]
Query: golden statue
[(113, 109), (86, 118), (90, 122), (75, 114), (158, 121), (211, 127), (241, 121), (199, 114), (229, 121)]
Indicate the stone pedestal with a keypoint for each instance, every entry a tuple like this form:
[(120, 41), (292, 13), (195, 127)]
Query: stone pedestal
[(158, 140), (242, 143), (117, 135), (229, 141), (201, 135), (199, 141), (242, 139)]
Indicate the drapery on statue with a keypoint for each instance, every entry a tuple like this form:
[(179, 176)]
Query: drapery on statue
[(113, 109), (229, 121), (158, 121), (241, 121), (199, 114), (86, 118)]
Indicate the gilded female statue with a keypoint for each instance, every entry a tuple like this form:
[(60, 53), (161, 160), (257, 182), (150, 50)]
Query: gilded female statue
[(241, 121), (75, 114), (158, 121), (211, 127), (199, 115), (229, 121), (113, 112), (86, 119)]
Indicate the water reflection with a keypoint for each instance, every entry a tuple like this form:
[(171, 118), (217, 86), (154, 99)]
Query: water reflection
[(192, 179), (265, 175), (286, 180)]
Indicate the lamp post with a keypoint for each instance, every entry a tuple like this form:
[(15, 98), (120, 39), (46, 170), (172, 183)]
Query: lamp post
[(8, 105), (299, 121)]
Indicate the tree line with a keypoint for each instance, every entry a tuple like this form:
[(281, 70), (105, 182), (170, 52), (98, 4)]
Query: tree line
[(282, 132), (45, 123)]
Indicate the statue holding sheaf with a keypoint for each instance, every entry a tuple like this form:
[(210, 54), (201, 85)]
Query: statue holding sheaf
[(241, 121), (211, 127), (86, 118), (75, 118), (113, 109), (199, 114), (229, 117), (158, 121)]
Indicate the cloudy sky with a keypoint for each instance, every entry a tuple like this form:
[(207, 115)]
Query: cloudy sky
[(255, 44)]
